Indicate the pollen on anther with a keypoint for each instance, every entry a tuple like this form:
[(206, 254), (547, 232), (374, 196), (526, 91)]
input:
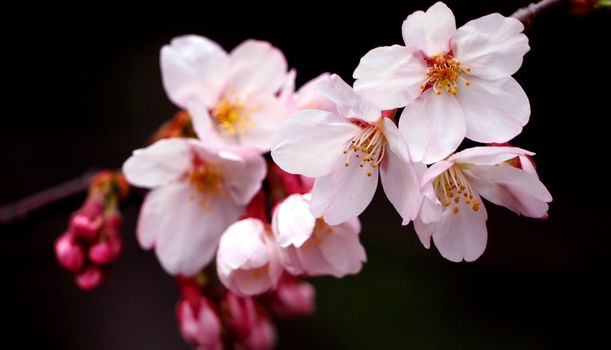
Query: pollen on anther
[(456, 210), (345, 152), (467, 83), (369, 174), (457, 199), (346, 164)]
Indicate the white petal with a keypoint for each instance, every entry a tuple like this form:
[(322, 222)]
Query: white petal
[(515, 189), (344, 193), (492, 46), (241, 245), (185, 234), (242, 174), (266, 120), (193, 68), (400, 182), (311, 142), (292, 221), (204, 126), (160, 163), (349, 103), (257, 67), (486, 155), (495, 110), (433, 126), (307, 97), (461, 236), (430, 31), (343, 250), (390, 76)]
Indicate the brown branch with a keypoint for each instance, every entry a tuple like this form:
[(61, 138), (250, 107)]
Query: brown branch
[(21, 209), (528, 13)]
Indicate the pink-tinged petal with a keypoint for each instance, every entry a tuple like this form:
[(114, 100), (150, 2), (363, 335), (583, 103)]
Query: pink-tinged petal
[(430, 31), (433, 126), (288, 88), (242, 174), (485, 155), (193, 68), (400, 183), (204, 126), (311, 142), (425, 229), (342, 250), (344, 194), (160, 163), (390, 76), (457, 236), (496, 110), (266, 120), (430, 211), (257, 67), (433, 171), (184, 233), (307, 97), (349, 104), (492, 46), (512, 188), (242, 245), (292, 221)]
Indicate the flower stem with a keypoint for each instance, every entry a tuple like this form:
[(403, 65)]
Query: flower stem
[(528, 13)]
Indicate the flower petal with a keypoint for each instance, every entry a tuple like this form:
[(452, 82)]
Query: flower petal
[(257, 67), (241, 245), (496, 110), (160, 163), (193, 68), (343, 250), (184, 233), (485, 155), (344, 193), (430, 31), (513, 188), (399, 177), (457, 236), (242, 174), (390, 76), (307, 97), (349, 103), (292, 221), (266, 120), (433, 126), (204, 126), (311, 142), (492, 46)]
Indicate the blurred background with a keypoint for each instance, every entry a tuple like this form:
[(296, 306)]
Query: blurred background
[(84, 92)]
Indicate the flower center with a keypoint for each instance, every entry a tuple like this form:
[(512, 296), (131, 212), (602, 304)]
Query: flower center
[(367, 147), (233, 116), (444, 73), (452, 187), (208, 182)]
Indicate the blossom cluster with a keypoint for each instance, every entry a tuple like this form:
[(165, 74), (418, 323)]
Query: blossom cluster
[(219, 209)]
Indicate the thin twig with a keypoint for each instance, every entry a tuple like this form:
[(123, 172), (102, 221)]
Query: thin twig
[(528, 13), (22, 208)]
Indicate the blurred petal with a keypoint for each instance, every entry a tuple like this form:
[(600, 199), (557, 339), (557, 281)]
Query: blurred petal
[(349, 103), (430, 31), (257, 67), (292, 221), (485, 155)]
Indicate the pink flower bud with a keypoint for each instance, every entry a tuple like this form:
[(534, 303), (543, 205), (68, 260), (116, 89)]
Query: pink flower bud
[(200, 324), (69, 253), (261, 337), (292, 298), (114, 222), (91, 278), (103, 252), (84, 227)]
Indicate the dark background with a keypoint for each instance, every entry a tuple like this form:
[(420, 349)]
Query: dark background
[(84, 90)]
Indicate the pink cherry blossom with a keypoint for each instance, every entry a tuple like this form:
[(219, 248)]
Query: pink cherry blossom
[(292, 298), (197, 192), (454, 83), (453, 213), (247, 260), (346, 150), (311, 246), (231, 97)]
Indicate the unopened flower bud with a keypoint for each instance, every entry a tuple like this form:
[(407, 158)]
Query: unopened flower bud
[(69, 253), (84, 227), (91, 278)]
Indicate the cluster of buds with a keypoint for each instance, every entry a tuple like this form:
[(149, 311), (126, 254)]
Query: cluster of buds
[(212, 317), (92, 241)]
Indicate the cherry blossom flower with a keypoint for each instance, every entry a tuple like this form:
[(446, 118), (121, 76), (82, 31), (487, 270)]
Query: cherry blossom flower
[(345, 150), (453, 213), (311, 246), (197, 192), (247, 260), (231, 97), (454, 83)]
